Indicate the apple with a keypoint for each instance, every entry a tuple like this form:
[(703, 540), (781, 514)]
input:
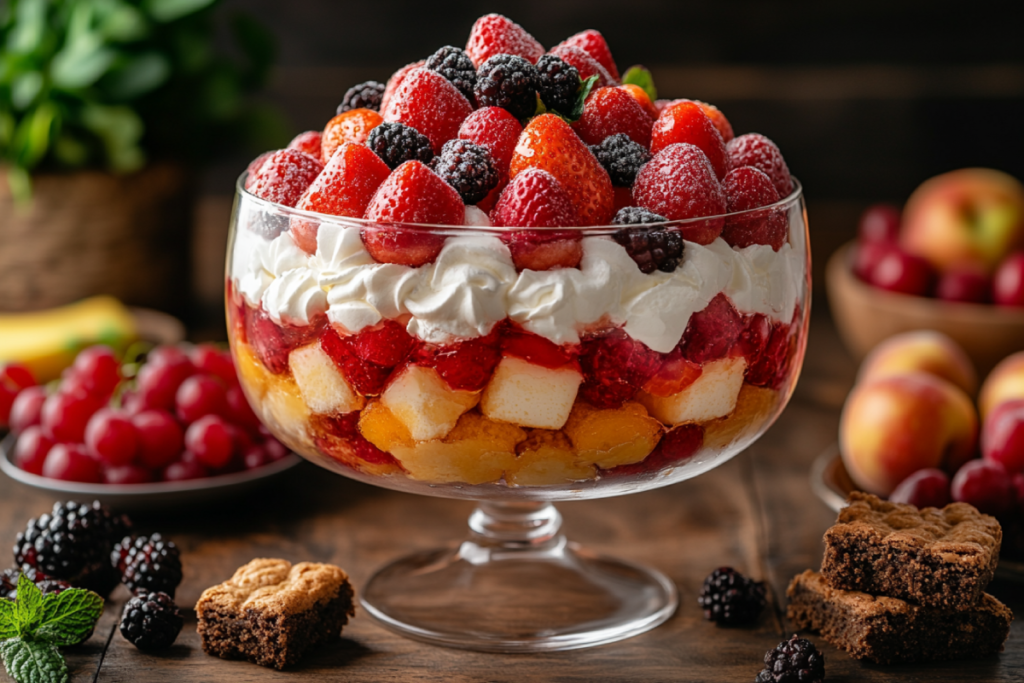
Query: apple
[(921, 351), (894, 426), (964, 284), (866, 256), (902, 272), (1008, 282), (927, 488), (986, 485), (972, 217), (880, 223), (1002, 436), (1004, 383)]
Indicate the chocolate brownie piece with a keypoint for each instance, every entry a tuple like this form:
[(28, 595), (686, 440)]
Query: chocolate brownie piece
[(887, 630), (936, 558), (271, 612)]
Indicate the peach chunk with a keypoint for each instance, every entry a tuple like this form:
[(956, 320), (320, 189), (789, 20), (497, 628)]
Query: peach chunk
[(613, 436), (547, 458), (754, 406), (253, 376), (379, 426)]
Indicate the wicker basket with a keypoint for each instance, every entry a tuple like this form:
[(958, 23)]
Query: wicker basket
[(91, 233)]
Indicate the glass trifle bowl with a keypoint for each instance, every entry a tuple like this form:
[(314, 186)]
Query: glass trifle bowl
[(469, 377)]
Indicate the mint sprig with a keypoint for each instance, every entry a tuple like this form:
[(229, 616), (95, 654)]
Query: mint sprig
[(638, 75), (34, 626), (581, 98)]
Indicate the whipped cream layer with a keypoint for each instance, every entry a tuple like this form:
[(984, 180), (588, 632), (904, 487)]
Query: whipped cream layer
[(473, 284)]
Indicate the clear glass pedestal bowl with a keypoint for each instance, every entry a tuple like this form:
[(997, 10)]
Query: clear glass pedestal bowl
[(461, 375)]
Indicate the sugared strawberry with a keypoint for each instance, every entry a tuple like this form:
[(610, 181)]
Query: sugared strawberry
[(254, 168), (585, 64), (748, 188), (428, 102), (674, 374), (594, 44), (615, 366), (272, 342), (411, 194), (772, 368), (535, 199), (718, 118), (396, 80), (366, 377), (544, 249), (754, 149), (494, 34), (308, 142), (498, 131), (623, 198), (679, 183), (344, 188), (685, 121), (753, 340), (338, 436), (350, 126), (386, 343), (285, 175), (466, 365), (548, 143), (610, 111), (536, 349), (640, 95), (711, 333), (677, 446)]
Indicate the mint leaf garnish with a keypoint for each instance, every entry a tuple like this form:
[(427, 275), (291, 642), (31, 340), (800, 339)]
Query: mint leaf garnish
[(638, 75), (29, 606), (31, 661), (69, 617), (581, 98), (8, 619)]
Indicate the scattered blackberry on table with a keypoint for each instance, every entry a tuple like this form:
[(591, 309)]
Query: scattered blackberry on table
[(148, 564), (48, 585), (468, 168), (151, 621), (509, 82), (730, 598), (558, 84), (366, 95), (622, 158), (650, 248), (396, 143), (793, 661), (456, 66)]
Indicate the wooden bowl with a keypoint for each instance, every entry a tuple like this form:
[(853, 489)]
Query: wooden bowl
[(866, 315)]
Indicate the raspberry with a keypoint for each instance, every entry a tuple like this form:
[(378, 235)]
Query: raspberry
[(621, 157), (351, 126), (685, 121), (455, 65), (615, 366), (652, 249), (585, 64), (148, 564), (679, 183), (272, 342), (535, 349), (366, 377), (465, 365), (285, 175), (677, 446), (558, 84), (468, 168), (429, 103), (793, 661), (758, 151), (308, 142), (594, 44), (493, 34), (509, 82), (367, 95), (151, 621), (711, 333), (613, 111), (731, 599), (385, 344), (753, 340), (772, 368), (748, 188), (674, 374), (396, 143)]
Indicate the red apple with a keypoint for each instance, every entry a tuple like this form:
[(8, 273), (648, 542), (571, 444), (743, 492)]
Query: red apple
[(921, 351), (1008, 282), (985, 485), (866, 256), (927, 488), (1002, 436), (1004, 383), (964, 284), (898, 271), (880, 223)]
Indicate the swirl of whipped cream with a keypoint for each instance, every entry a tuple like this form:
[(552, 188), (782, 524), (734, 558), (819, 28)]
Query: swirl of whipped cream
[(295, 297), (267, 261)]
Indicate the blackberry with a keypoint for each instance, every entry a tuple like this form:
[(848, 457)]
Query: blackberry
[(468, 168), (650, 248), (151, 621), (622, 158), (510, 82), (730, 598), (148, 564), (455, 65), (558, 84), (397, 143), (366, 95), (48, 585), (793, 661), (634, 215)]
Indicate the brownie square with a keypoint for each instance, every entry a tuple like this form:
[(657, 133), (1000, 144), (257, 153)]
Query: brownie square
[(887, 630), (935, 558), (271, 612)]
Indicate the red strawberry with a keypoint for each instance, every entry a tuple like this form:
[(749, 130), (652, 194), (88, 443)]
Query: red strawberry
[(536, 349), (711, 333), (748, 188), (411, 194), (284, 176), (718, 118), (366, 377), (754, 149), (609, 111), (253, 169), (638, 94), (623, 198), (674, 374), (753, 339), (535, 199), (308, 142), (772, 368), (344, 188), (272, 342), (498, 131), (677, 446), (386, 343), (353, 125), (585, 64), (594, 44), (548, 143), (685, 121), (428, 102), (679, 183), (615, 366), (493, 34), (396, 80), (466, 365), (338, 436)]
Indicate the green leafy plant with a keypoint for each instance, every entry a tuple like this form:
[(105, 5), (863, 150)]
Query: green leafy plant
[(33, 627), (641, 76), (113, 83)]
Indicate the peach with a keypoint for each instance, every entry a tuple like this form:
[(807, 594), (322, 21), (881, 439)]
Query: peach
[(1004, 383), (893, 426), (921, 351)]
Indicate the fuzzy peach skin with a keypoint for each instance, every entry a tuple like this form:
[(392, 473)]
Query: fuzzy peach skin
[(921, 351), (893, 426), (1004, 383)]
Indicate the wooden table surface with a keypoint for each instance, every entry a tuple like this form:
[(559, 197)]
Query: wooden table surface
[(756, 513)]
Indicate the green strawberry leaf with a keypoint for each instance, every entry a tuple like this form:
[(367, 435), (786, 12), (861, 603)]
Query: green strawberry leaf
[(8, 619), (638, 75), (581, 98), (28, 609), (69, 617), (29, 661)]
